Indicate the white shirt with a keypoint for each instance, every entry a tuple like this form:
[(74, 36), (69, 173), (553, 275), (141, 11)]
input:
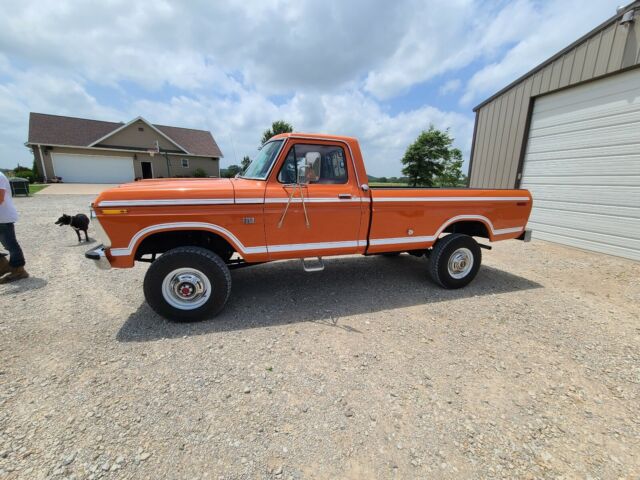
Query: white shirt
[(8, 212)]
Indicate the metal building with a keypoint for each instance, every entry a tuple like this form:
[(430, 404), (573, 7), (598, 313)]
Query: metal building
[(569, 131)]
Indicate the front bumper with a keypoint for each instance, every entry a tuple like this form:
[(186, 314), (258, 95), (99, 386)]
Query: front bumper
[(98, 255)]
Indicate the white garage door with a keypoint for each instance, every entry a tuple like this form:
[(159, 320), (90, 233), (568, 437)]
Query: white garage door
[(93, 168), (582, 166)]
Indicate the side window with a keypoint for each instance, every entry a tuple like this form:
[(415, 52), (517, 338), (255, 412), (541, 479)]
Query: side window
[(319, 164)]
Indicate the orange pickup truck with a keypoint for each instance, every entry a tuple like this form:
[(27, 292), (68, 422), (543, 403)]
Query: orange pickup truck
[(305, 196)]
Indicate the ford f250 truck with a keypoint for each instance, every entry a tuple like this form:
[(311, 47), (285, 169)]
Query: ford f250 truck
[(305, 196)]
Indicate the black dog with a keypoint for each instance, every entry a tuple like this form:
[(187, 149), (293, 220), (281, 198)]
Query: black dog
[(79, 222)]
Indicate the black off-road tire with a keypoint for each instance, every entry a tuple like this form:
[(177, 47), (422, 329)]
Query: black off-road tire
[(442, 253), (197, 258)]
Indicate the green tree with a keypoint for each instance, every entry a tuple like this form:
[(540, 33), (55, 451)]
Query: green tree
[(245, 162), (430, 157), (231, 171), (451, 175), (277, 127)]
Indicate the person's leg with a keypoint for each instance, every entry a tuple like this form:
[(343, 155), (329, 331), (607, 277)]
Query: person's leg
[(10, 242), (4, 265), (16, 257)]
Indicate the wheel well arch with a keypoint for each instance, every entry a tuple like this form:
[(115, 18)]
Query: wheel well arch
[(164, 240), (473, 228)]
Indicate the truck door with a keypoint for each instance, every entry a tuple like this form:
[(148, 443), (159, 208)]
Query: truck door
[(319, 177)]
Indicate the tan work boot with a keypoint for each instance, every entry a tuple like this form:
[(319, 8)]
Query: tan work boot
[(17, 273), (4, 265)]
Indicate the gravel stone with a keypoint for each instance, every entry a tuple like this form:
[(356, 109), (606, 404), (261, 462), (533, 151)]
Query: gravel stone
[(529, 372)]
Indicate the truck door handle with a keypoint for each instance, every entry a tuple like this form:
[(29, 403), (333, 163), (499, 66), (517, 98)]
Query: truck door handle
[(345, 196)]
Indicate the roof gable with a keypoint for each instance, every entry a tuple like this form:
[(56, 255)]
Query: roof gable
[(130, 126), (45, 129)]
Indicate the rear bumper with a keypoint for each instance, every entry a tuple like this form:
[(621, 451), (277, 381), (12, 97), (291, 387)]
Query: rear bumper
[(525, 236), (98, 255)]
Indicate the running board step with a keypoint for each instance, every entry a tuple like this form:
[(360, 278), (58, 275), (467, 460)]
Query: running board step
[(316, 266)]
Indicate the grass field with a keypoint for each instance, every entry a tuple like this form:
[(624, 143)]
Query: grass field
[(36, 187), (387, 184)]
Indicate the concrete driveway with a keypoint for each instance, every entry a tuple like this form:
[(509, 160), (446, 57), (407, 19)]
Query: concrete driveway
[(75, 188)]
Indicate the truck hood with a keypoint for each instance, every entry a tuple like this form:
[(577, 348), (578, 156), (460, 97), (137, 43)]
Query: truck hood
[(169, 191)]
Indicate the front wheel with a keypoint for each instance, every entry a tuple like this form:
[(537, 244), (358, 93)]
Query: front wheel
[(187, 284), (455, 260)]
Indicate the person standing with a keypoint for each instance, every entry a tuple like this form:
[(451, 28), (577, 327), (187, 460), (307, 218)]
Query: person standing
[(12, 269)]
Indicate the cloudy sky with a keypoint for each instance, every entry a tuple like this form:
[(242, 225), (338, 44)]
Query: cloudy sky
[(377, 69)]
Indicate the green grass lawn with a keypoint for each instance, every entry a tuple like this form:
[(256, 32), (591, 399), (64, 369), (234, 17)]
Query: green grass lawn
[(36, 187)]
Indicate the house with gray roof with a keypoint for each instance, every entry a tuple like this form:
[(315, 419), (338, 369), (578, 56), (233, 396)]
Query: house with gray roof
[(80, 150)]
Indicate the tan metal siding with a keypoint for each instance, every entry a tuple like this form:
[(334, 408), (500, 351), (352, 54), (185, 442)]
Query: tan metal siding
[(500, 131), (556, 69), (500, 127), (617, 49), (578, 64), (592, 54), (546, 79), (567, 66), (501, 158), (604, 52), (511, 146)]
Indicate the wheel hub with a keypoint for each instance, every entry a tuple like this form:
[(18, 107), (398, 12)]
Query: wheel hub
[(460, 263), (186, 288)]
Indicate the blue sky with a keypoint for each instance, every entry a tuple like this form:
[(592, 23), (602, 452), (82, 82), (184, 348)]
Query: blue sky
[(382, 71)]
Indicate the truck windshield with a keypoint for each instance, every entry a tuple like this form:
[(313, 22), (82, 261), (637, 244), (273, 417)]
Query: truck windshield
[(260, 166)]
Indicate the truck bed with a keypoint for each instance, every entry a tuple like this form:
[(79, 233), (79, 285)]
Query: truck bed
[(406, 218)]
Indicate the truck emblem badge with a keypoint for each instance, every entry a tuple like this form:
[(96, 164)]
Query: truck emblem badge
[(248, 220)]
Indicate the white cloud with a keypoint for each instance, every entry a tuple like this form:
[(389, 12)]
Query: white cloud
[(450, 86), (233, 67), (563, 23), (238, 125)]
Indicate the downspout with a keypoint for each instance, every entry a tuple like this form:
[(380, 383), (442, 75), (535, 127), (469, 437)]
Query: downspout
[(44, 171), (168, 164)]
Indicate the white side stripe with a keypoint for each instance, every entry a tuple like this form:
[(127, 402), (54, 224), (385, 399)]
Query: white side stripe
[(162, 202), (296, 247), (398, 240), (260, 200), (221, 201), (313, 200), (449, 199), (123, 252)]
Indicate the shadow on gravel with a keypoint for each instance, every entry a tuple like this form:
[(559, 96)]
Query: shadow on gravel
[(83, 243), (282, 293), (31, 283)]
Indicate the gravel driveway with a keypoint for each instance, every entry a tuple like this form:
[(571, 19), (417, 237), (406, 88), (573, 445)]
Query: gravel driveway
[(366, 370)]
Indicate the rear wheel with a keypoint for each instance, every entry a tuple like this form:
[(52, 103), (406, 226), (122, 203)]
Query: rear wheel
[(187, 284), (455, 261)]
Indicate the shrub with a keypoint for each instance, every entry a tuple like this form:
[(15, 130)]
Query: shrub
[(24, 172), (199, 173)]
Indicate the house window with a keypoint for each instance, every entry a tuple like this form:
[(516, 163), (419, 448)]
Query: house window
[(185, 163)]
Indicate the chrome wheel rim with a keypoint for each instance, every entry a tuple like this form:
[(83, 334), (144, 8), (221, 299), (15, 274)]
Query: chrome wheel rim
[(460, 263), (186, 288)]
